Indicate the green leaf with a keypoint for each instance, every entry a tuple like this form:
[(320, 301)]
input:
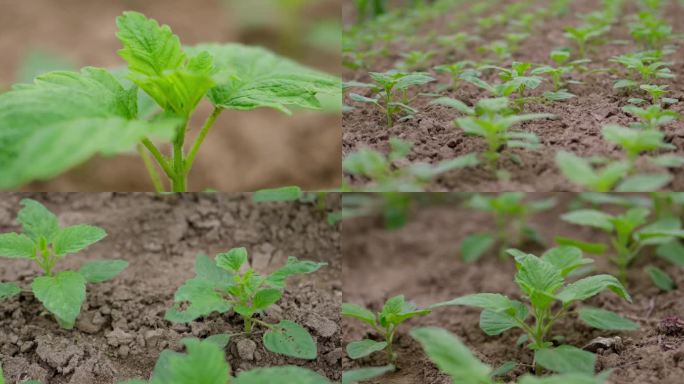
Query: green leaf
[(495, 323), (65, 108), (603, 319), (566, 259), (291, 268), (206, 269), (539, 279), (15, 245), (672, 251), (504, 368), (397, 310), (490, 301), (286, 374), (102, 270), (62, 295), (566, 359), (453, 103), (290, 339), (360, 313), (8, 290), (660, 278), (233, 259), (360, 374), (474, 246), (593, 248), (203, 299), (363, 348), (220, 339), (277, 195), (646, 182), (204, 363), (266, 297), (591, 218), (37, 221), (569, 378), (591, 286), (76, 238), (252, 77), (451, 356)]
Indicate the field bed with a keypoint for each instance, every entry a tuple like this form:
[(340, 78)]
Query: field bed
[(121, 329), (421, 261), (576, 127)]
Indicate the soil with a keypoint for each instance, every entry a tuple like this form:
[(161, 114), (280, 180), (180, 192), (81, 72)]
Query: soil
[(121, 329), (421, 261), (245, 151), (576, 127)]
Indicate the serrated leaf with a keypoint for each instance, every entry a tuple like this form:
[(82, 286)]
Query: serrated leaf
[(203, 363), (291, 268), (76, 238), (566, 259), (397, 310), (286, 374), (491, 301), (202, 297), (292, 193), (603, 319), (661, 279), (363, 348), (233, 259), (290, 339), (102, 270), (15, 245), (206, 269), (266, 297), (566, 359), (253, 77), (474, 246), (591, 218), (37, 221), (8, 290), (451, 356), (590, 286), (360, 313), (360, 374), (62, 295), (494, 323)]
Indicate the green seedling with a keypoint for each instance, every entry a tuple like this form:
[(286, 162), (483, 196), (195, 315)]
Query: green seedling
[(514, 39), (612, 175), (583, 36), (65, 118), (550, 297), (511, 216), (458, 42), (386, 87), (656, 92), (629, 233), (456, 71), (499, 48), (204, 362), (386, 174), (651, 31), (362, 374), (635, 142), (652, 117), (394, 207), (367, 9), (46, 242), (455, 359), (415, 60), (514, 81), (385, 324), (226, 284), (558, 73), (647, 66)]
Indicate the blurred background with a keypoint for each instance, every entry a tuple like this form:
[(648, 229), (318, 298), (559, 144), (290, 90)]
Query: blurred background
[(245, 151)]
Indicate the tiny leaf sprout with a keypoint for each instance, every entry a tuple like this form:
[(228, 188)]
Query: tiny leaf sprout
[(385, 323), (558, 73), (457, 71), (651, 31), (511, 215), (415, 60), (386, 87), (386, 174), (652, 117), (656, 92), (514, 81), (634, 141), (221, 286), (584, 35), (550, 297), (45, 242)]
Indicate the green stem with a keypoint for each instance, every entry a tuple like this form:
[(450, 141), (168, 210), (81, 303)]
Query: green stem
[(389, 336), (158, 156), (179, 175), (200, 138), (248, 325), (151, 170)]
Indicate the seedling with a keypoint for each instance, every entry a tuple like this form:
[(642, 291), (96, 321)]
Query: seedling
[(584, 35), (205, 363), (651, 31), (652, 117), (415, 60), (511, 215), (221, 286), (385, 323), (542, 281), (562, 69), (458, 42), (657, 92), (367, 9), (455, 359), (386, 173), (362, 374), (514, 81), (634, 142), (630, 232), (386, 84), (499, 48), (457, 71), (64, 118), (647, 65), (46, 242), (394, 207)]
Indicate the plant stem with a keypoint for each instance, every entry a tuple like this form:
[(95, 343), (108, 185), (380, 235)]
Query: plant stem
[(200, 138), (151, 170), (163, 162), (179, 175), (389, 336), (248, 325)]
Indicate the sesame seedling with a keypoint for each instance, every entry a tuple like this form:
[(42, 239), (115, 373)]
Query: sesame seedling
[(651, 117), (584, 35)]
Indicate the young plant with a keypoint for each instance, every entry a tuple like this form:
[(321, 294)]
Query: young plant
[(652, 117), (415, 60), (457, 71), (543, 282), (64, 118), (46, 242), (368, 9), (656, 92), (204, 362), (511, 215), (386, 174), (514, 81), (385, 324), (647, 65), (629, 232), (558, 73), (651, 31), (455, 359), (386, 86), (224, 284), (634, 142), (584, 35)]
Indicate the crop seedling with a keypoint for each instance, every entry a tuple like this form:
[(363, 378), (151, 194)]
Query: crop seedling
[(204, 362), (386, 84), (647, 65), (583, 36), (415, 60), (457, 71), (651, 31), (514, 81), (64, 118), (387, 175), (543, 282), (458, 42), (629, 233), (499, 48), (511, 214), (367, 9), (455, 359), (220, 286), (393, 206), (656, 92), (562, 69), (45, 242), (385, 323), (652, 117), (634, 142)]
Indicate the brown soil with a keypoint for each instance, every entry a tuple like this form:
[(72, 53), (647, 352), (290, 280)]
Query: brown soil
[(576, 128), (121, 329), (245, 151), (421, 262)]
